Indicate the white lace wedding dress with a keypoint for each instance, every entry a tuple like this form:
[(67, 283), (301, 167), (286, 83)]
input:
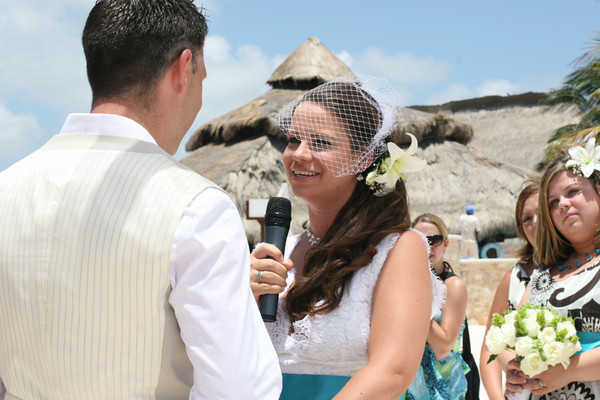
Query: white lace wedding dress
[(336, 343)]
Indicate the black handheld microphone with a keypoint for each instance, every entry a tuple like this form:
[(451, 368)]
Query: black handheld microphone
[(277, 225)]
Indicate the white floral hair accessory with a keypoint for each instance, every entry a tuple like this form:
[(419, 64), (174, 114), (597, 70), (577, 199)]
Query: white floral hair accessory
[(585, 161), (392, 167)]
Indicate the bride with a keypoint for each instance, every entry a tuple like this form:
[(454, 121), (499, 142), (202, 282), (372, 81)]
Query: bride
[(357, 300)]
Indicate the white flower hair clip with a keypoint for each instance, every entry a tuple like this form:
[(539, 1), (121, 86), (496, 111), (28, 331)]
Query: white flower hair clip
[(392, 167), (585, 161)]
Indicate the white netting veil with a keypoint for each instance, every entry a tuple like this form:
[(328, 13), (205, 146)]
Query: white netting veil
[(344, 122)]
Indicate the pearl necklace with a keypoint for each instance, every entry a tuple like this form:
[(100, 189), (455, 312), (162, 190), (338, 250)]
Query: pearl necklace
[(561, 265), (312, 238)]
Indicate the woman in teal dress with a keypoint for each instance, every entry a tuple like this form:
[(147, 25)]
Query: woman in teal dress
[(442, 372)]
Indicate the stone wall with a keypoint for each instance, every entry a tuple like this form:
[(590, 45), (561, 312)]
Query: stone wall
[(481, 276)]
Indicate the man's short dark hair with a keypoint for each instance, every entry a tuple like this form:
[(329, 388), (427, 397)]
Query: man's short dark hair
[(129, 44)]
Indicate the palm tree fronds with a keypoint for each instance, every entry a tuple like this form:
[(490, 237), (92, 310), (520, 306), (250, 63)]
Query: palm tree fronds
[(582, 88), (565, 95), (592, 54)]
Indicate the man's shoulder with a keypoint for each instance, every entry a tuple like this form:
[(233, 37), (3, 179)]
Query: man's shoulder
[(190, 176)]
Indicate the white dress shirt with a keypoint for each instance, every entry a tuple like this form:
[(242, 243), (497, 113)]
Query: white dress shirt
[(225, 337)]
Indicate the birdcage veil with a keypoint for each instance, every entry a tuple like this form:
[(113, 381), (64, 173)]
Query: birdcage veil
[(350, 135)]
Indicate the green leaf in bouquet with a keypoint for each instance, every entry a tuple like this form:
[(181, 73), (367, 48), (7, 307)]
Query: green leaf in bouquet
[(574, 339), (541, 319), (561, 335), (539, 346), (522, 311), (520, 328), (498, 320), (492, 358)]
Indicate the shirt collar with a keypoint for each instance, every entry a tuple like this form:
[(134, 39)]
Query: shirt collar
[(105, 124)]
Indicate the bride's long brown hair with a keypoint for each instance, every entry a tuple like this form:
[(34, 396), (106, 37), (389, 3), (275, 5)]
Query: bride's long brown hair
[(350, 243)]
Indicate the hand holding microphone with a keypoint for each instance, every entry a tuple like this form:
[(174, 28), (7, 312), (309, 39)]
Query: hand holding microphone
[(277, 225)]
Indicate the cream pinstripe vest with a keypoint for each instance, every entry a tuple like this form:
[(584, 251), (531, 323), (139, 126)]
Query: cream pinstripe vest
[(86, 228)]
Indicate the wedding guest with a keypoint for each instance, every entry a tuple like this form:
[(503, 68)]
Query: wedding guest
[(512, 286), (355, 310), (123, 274), (469, 229), (567, 253), (442, 372)]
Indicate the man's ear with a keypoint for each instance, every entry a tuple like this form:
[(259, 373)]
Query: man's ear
[(181, 67)]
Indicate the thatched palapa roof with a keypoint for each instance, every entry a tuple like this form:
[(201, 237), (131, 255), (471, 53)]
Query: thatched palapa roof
[(457, 175), (309, 66)]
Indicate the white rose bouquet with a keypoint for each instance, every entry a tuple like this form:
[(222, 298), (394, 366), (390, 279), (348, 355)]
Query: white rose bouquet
[(539, 336)]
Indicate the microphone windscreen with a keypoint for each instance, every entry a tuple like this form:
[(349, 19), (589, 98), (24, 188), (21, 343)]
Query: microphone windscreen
[(279, 212)]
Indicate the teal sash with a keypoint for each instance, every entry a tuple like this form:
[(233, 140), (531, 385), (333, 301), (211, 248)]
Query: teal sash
[(588, 340), (313, 387)]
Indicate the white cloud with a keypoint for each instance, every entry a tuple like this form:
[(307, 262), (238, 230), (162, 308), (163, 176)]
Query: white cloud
[(499, 87), (405, 72), (21, 134), (42, 56), (455, 91), (495, 87), (401, 68), (235, 76), (346, 58)]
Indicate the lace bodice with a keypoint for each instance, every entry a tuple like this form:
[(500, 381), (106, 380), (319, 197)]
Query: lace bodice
[(335, 343)]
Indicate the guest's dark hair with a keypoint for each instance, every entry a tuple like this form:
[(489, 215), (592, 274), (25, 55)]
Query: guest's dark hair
[(365, 219), (129, 44)]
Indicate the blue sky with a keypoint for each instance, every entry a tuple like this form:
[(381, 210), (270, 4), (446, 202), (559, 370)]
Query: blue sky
[(432, 51)]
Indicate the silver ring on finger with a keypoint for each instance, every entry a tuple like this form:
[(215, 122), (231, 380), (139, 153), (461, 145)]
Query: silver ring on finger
[(541, 384), (259, 276)]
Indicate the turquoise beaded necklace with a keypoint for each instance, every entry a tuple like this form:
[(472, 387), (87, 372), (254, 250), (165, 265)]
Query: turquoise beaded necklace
[(561, 265)]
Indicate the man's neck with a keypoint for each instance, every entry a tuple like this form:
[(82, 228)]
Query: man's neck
[(146, 119)]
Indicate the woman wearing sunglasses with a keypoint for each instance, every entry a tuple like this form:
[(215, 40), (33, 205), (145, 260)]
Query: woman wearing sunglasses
[(442, 371)]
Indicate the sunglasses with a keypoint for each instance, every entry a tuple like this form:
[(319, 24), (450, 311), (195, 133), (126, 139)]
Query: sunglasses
[(435, 240)]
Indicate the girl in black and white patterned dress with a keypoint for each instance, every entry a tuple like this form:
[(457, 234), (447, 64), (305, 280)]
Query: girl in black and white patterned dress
[(568, 274)]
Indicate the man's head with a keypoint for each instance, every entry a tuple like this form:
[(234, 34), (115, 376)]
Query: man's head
[(470, 209), (129, 44)]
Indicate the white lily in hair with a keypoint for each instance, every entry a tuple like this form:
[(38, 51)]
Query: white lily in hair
[(586, 160), (393, 167)]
